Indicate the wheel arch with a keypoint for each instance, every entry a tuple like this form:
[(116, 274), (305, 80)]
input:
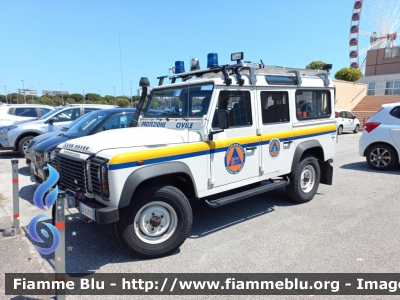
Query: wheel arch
[(25, 134), (170, 171), (313, 147)]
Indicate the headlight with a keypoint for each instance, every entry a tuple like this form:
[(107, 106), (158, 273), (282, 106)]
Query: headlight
[(102, 175), (53, 154), (8, 128)]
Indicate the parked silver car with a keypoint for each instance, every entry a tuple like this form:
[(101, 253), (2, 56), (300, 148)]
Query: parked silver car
[(17, 136), (11, 113)]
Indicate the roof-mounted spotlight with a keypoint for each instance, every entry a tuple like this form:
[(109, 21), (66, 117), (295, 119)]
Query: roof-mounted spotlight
[(194, 64), (238, 56), (327, 67), (212, 60), (179, 67)]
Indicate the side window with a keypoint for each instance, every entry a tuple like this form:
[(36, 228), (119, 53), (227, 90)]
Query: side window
[(44, 111), (313, 104), (342, 114), (349, 115), (68, 115), (89, 109), (120, 121), (274, 107), (395, 112), (238, 105), (26, 112)]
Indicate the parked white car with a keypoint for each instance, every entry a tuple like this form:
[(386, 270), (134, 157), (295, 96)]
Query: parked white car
[(11, 113), (380, 140), (346, 121)]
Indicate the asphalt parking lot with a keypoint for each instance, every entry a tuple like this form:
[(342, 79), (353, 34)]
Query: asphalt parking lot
[(349, 227)]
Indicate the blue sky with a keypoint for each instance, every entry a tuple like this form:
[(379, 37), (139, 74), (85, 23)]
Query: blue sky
[(76, 42)]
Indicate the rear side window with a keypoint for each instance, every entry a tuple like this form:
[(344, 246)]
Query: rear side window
[(313, 104), (44, 111), (395, 112), (26, 112), (274, 107)]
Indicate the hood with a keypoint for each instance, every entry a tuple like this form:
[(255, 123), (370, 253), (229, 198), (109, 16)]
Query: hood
[(131, 137), (51, 142), (47, 135), (13, 122)]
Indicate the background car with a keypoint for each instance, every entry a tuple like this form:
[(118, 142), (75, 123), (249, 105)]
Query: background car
[(18, 136), (346, 121), (11, 113), (89, 124), (380, 140)]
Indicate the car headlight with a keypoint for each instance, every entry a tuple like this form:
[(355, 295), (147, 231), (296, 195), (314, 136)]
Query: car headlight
[(8, 128), (53, 154)]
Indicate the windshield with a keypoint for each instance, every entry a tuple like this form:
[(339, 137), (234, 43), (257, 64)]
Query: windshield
[(191, 101), (50, 113), (85, 124)]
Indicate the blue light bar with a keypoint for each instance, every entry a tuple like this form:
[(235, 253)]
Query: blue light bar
[(212, 60), (179, 67)]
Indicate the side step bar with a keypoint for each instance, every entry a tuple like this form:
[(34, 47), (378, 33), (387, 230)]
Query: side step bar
[(246, 194)]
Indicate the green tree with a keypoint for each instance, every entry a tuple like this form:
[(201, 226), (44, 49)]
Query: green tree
[(77, 97), (109, 99), (316, 64), (46, 100), (3, 98), (123, 102), (57, 101), (348, 74), (93, 97), (69, 100)]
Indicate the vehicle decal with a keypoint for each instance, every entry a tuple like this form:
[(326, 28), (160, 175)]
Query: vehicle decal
[(235, 158), (182, 151), (274, 148)]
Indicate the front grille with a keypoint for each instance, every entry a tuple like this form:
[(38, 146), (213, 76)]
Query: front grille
[(93, 181), (72, 172)]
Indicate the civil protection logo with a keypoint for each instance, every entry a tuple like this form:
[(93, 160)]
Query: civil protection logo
[(38, 198), (274, 148), (235, 158)]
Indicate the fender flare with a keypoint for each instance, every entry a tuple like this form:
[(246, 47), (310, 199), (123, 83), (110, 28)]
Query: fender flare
[(148, 172), (301, 148)]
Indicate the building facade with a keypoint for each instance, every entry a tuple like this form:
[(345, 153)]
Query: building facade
[(27, 92), (54, 93), (382, 72)]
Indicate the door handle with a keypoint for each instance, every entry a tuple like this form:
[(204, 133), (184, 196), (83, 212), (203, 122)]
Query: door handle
[(287, 142), (251, 148)]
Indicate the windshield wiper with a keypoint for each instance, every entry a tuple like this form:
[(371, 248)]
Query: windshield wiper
[(154, 114)]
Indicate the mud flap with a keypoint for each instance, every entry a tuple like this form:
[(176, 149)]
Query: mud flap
[(326, 173)]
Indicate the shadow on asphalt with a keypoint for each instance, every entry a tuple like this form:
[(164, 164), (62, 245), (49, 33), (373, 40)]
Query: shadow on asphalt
[(363, 166), (94, 245)]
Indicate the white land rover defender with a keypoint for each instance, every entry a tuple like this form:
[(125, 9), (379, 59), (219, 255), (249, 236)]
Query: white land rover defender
[(210, 131)]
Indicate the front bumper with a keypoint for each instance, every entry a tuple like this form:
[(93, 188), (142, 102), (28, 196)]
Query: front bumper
[(94, 210)]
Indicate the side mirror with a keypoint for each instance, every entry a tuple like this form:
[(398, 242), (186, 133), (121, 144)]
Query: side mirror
[(354, 117), (52, 120), (223, 119)]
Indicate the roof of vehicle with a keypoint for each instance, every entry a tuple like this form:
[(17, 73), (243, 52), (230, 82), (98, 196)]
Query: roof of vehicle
[(95, 105), (391, 104), (26, 105)]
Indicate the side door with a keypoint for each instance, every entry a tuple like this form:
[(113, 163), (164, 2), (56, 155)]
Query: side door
[(350, 121), (235, 153), (277, 137), (395, 127), (64, 117), (343, 119)]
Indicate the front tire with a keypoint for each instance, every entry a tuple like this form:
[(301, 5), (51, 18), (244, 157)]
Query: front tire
[(356, 129), (23, 143), (156, 222), (381, 157), (340, 130), (304, 180)]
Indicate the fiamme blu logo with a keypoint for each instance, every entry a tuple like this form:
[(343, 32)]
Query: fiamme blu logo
[(44, 203)]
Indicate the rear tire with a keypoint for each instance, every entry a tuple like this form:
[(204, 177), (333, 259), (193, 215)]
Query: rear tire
[(304, 180), (381, 157), (156, 222), (356, 129), (340, 130), (23, 143)]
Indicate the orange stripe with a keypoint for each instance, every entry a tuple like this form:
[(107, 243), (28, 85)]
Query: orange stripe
[(60, 225)]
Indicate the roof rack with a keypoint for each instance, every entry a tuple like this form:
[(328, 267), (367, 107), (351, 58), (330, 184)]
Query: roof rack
[(252, 69)]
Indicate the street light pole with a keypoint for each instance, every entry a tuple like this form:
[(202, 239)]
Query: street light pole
[(23, 88), (115, 99), (62, 96), (5, 92)]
